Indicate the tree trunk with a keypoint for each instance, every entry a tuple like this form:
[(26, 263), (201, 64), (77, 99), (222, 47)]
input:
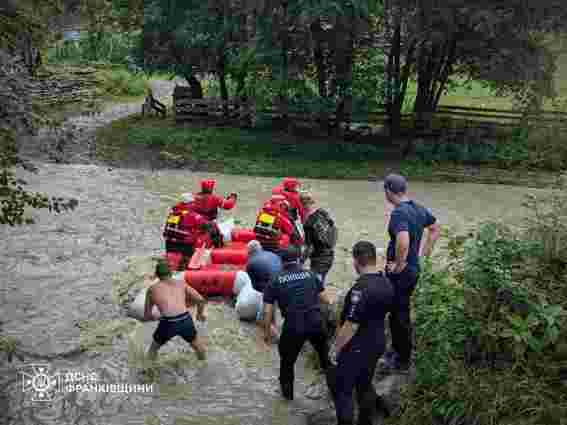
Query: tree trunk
[(393, 104), (446, 71), (196, 87), (284, 78), (344, 60), (240, 85), (319, 58), (223, 87)]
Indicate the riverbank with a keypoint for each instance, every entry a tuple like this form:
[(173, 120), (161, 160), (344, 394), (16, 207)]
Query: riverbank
[(61, 278), (134, 140), (73, 141)]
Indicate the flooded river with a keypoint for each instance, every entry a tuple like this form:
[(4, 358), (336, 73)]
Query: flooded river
[(65, 279)]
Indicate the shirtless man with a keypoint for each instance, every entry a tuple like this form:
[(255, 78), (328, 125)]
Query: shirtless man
[(172, 298)]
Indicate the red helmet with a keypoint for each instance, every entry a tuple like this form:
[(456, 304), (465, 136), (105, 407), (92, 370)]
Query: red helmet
[(291, 184), (208, 185), (277, 199)]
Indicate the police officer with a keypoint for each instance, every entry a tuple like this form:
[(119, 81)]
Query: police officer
[(360, 339), (298, 293)]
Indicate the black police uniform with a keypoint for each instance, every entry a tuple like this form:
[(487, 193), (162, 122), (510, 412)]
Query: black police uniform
[(297, 293), (366, 304)]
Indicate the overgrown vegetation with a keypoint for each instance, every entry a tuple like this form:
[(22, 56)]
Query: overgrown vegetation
[(236, 151), (528, 147), (21, 29), (491, 325)]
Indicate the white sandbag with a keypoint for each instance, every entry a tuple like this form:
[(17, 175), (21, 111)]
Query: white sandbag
[(248, 302), (226, 228), (137, 307), (240, 282)]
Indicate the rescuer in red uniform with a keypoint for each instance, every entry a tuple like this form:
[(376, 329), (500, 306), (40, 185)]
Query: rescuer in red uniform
[(274, 229), (185, 230), (207, 204), (290, 189)]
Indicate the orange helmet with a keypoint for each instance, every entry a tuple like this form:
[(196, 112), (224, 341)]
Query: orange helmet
[(208, 185), (291, 184)]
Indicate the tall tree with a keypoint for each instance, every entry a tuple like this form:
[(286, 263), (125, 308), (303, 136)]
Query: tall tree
[(29, 17), (440, 42)]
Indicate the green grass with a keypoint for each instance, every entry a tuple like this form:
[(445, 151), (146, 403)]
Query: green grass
[(122, 85), (236, 151)]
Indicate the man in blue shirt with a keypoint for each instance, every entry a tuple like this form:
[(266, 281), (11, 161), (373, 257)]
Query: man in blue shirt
[(407, 224), (262, 266), (298, 293)]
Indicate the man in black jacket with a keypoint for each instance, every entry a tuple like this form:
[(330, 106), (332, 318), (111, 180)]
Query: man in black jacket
[(320, 236), (298, 293)]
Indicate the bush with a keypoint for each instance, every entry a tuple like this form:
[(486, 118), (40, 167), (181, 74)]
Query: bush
[(514, 152), (476, 295), (121, 82), (441, 325), (475, 153), (111, 48), (547, 149), (547, 222)]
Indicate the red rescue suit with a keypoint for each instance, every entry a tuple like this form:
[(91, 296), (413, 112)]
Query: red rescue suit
[(184, 225), (208, 204), (274, 229), (289, 189)]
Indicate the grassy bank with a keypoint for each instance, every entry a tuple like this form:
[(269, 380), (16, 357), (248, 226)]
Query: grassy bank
[(490, 326), (268, 153)]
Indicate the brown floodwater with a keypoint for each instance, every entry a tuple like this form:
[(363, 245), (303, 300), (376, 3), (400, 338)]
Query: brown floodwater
[(66, 279)]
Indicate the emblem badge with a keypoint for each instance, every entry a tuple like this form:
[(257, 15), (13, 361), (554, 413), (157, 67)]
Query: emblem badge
[(355, 297)]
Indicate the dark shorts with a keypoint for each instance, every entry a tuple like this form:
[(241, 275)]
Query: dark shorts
[(169, 327)]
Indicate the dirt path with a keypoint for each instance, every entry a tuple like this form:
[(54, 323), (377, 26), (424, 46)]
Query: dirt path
[(75, 142)]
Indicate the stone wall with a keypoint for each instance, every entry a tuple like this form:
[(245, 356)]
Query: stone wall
[(59, 85)]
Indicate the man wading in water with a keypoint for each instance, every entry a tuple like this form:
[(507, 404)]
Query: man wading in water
[(172, 298)]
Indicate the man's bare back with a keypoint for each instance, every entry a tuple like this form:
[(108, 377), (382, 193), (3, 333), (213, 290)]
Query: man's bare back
[(173, 297), (170, 296)]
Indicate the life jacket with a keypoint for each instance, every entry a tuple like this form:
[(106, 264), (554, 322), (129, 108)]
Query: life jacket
[(273, 228), (183, 225), (293, 197), (182, 206)]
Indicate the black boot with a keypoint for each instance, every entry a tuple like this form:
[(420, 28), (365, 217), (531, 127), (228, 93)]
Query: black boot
[(367, 408), (382, 406), (287, 390), (331, 377)]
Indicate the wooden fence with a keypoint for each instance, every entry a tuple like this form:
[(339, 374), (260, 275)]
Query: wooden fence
[(452, 122), (210, 109)]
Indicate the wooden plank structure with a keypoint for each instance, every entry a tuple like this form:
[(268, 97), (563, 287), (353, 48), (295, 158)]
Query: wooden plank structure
[(210, 110), (450, 123)]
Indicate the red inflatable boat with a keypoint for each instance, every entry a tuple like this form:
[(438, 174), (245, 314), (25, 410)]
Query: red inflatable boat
[(214, 271)]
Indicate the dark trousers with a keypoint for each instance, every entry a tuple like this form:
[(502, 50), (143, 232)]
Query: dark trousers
[(355, 371), (291, 342), (400, 317)]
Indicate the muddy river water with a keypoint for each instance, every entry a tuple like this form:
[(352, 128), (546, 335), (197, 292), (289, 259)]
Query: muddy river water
[(65, 279)]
